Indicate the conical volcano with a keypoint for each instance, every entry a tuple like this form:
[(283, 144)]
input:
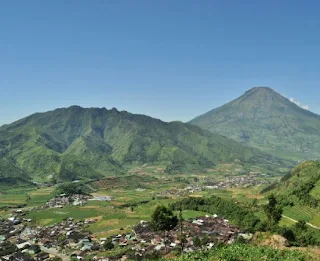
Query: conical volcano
[(265, 119)]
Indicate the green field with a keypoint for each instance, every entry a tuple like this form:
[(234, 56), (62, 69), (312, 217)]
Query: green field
[(302, 213), (134, 199), (131, 204), (14, 196)]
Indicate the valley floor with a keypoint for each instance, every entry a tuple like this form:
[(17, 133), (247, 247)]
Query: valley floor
[(121, 203)]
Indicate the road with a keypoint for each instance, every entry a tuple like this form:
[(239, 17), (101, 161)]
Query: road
[(295, 221)]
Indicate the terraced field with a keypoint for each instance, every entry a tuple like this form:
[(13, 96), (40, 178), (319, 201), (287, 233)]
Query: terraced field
[(13, 197), (303, 213)]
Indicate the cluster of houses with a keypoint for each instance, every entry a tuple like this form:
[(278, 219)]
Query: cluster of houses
[(249, 180), (70, 239), (172, 193), (211, 228), (64, 200), (20, 240), (13, 243), (196, 234), (252, 179), (75, 200)]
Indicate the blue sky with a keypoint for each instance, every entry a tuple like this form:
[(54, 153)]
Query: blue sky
[(169, 59)]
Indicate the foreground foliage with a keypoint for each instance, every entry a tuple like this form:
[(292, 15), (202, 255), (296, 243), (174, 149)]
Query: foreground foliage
[(243, 252)]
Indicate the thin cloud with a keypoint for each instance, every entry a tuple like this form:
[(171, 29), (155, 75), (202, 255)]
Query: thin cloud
[(306, 107)]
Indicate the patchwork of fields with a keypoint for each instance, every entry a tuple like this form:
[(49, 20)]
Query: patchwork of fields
[(134, 199)]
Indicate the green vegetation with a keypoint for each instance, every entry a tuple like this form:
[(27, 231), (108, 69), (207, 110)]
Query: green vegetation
[(246, 217), (264, 119), (72, 189), (243, 252), (163, 220), (273, 211), (298, 191), (76, 143), (11, 175), (15, 197), (236, 213)]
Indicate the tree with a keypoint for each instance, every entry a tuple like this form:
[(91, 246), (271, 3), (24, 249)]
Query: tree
[(197, 241), (182, 237), (301, 225), (28, 198), (163, 220), (273, 211), (108, 245), (71, 189), (254, 203)]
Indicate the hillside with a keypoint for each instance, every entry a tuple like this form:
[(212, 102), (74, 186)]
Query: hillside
[(301, 186), (11, 175), (264, 119), (72, 143)]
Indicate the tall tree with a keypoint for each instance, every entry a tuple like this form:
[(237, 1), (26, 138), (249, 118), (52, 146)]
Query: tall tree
[(273, 211), (182, 237), (163, 220)]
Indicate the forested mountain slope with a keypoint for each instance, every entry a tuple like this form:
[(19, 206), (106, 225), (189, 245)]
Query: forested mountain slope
[(72, 143)]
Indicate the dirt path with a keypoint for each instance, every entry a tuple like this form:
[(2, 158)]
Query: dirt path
[(295, 221)]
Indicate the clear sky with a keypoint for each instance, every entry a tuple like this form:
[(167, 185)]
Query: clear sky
[(170, 59)]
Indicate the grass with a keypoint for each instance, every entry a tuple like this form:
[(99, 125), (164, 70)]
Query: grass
[(55, 215), (40, 196), (315, 220), (18, 196), (285, 222), (301, 213), (187, 214)]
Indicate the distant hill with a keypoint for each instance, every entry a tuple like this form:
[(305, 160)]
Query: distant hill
[(301, 186), (264, 119), (78, 143), (11, 175)]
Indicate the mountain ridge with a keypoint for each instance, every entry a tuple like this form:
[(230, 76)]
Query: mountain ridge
[(75, 142)]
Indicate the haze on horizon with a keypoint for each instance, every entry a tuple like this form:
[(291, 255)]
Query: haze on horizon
[(169, 60)]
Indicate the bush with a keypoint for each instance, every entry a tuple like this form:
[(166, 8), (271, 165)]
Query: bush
[(108, 245)]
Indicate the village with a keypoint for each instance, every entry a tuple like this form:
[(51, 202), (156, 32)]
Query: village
[(244, 181), (71, 239), (208, 183), (22, 238)]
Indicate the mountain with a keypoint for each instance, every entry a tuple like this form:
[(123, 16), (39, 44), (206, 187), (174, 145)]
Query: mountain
[(301, 186), (264, 119), (74, 143)]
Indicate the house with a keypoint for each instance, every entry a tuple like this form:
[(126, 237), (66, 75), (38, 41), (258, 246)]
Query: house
[(78, 255), (24, 245), (2, 238), (42, 256)]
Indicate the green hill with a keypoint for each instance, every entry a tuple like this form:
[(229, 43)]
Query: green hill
[(11, 175), (301, 186), (264, 119), (74, 143)]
